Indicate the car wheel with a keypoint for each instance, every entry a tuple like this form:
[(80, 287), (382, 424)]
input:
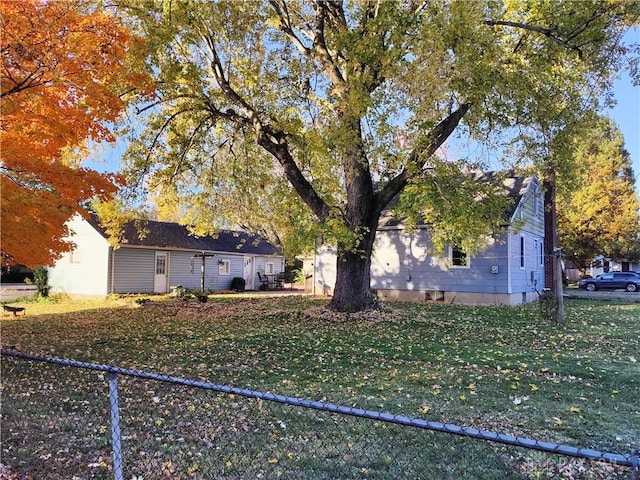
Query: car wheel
[(591, 287), (632, 287)]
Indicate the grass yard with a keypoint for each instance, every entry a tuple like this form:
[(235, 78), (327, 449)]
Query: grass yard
[(493, 368)]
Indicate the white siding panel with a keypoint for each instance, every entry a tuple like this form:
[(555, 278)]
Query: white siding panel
[(324, 274), (85, 270)]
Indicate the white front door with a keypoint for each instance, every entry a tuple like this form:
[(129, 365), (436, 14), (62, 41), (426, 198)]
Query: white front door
[(161, 279), (248, 273)]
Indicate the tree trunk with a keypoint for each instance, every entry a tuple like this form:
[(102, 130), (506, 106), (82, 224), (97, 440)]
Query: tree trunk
[(352, 291)]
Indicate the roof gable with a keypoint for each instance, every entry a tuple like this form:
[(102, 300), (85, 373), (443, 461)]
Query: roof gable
[(154, 234)]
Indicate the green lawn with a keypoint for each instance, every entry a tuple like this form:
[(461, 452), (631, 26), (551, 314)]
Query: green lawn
[(493, 368)]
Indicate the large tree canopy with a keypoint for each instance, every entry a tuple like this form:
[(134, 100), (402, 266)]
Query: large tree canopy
[(62, 75), (598, 206), (342, 104)]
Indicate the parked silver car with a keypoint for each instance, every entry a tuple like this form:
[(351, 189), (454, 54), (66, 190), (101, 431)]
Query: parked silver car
[(630, 281)]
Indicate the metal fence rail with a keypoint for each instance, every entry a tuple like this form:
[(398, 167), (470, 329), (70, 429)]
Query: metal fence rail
[(629, 462)]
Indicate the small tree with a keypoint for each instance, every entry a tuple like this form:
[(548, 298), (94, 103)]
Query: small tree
[(41, 280), (598, 206)]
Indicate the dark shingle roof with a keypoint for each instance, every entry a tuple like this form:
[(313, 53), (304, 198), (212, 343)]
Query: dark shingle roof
[(175, 236)]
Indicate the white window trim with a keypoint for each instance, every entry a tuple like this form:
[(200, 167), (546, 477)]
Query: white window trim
[(451, 265), (224, 268), (522, 253), (269, 268)]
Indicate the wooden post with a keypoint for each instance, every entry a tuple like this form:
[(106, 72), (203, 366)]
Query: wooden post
[(552, 254)]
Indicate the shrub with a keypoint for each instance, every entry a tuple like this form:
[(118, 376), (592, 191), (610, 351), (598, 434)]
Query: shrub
[(41, 280), (548, 306)]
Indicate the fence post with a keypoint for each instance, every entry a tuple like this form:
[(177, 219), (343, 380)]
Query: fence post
[(115, 426)]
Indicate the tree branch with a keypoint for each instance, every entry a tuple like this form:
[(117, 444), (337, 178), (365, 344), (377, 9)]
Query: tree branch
[(420, 154), (276, 144), (30, 81), (286, 27), (271, 140), (550, 33)]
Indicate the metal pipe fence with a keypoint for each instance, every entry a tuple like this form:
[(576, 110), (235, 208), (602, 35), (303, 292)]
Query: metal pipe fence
[(220, 431)]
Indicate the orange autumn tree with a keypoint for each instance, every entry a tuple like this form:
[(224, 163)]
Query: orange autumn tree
[(64, 76)]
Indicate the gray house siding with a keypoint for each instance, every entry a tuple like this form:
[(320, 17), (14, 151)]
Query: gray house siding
[(223, 282), (180, 270), (527, 279), (261, 265), (134, 270), (405, 262)]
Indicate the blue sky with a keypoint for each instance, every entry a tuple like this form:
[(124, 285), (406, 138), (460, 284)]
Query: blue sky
[(626, 114)]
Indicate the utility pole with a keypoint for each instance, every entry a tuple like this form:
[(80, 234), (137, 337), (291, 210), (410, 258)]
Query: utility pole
[(552, 253)]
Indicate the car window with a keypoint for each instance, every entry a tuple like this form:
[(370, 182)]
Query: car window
[(607, 276)]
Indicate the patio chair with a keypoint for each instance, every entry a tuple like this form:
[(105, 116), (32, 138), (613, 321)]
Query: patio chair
[(264, 281)]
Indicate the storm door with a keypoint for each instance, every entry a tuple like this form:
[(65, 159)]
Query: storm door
[(161, 279)]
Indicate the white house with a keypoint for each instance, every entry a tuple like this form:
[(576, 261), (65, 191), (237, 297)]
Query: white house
[(509, 271), (154, 256)]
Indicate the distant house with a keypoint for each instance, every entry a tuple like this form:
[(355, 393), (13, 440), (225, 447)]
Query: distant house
[(154, 256), (509, 271)]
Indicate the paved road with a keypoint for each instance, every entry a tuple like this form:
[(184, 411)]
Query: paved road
[(603, 295), (11, 291)]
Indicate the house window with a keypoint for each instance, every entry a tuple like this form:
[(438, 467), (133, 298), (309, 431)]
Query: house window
[(161, 264), (224, 267), (541, 254), (74, 257), (459, 257), (522, 253), (269, 268)]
